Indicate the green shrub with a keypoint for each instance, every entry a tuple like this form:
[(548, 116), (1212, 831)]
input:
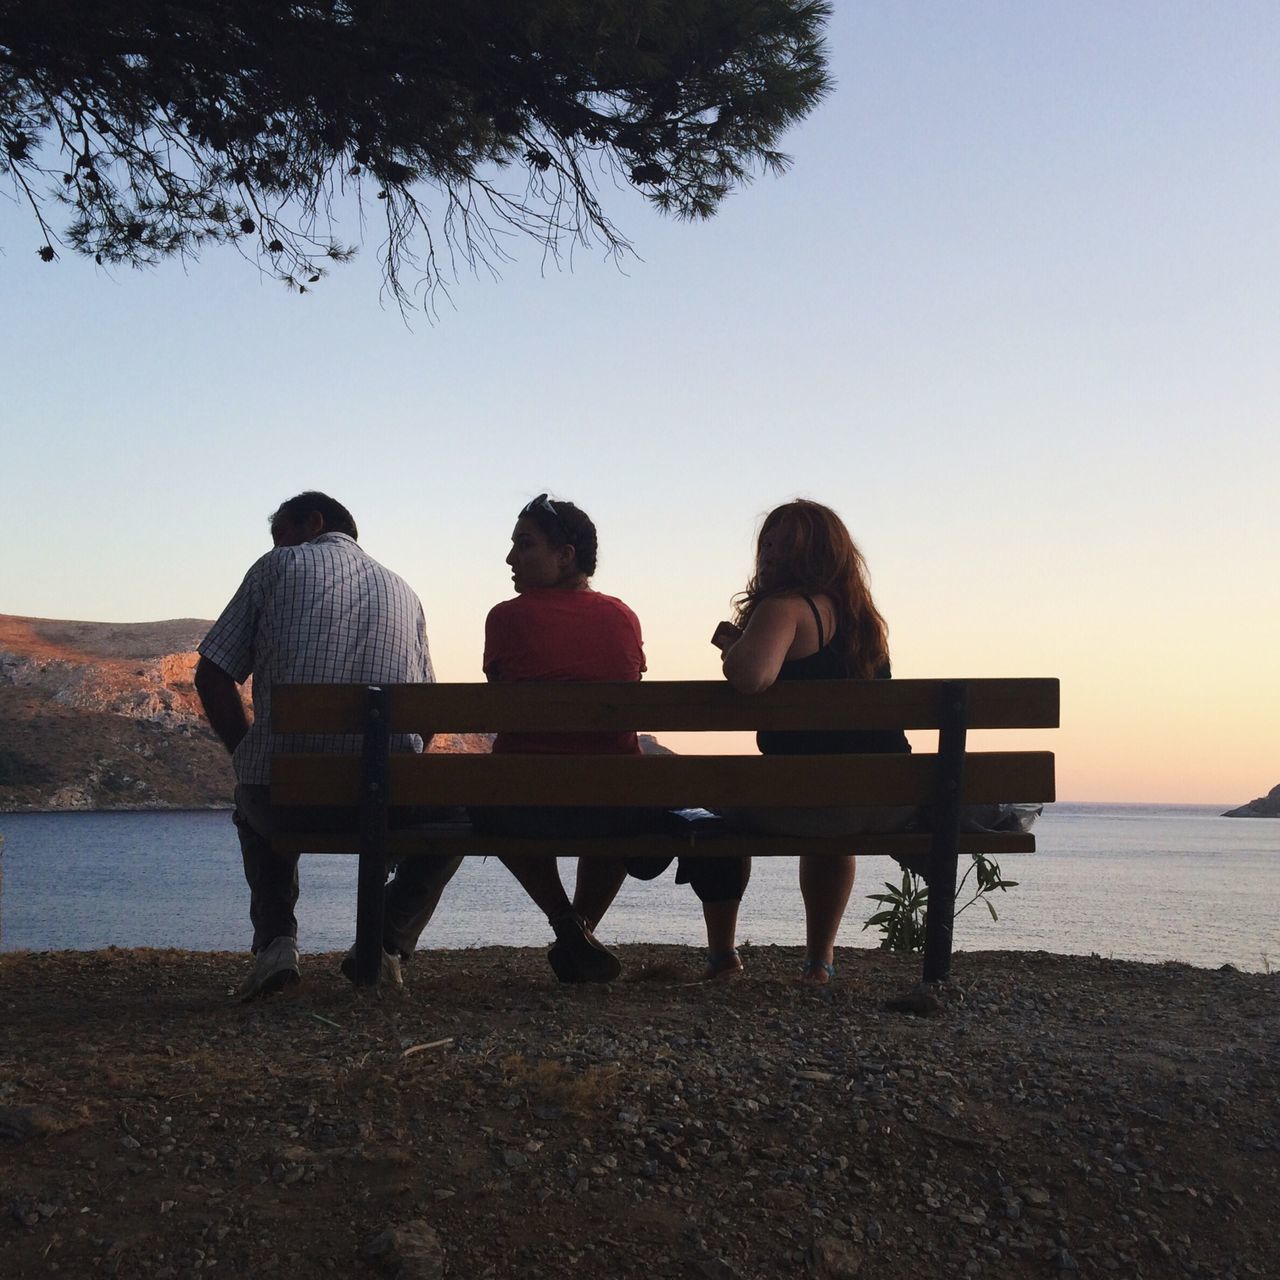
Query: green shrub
[(904, 909)]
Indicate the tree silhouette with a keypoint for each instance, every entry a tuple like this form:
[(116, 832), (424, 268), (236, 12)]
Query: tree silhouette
[(147, 129)]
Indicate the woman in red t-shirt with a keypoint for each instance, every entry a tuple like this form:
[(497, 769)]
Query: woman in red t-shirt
[(558, 628)]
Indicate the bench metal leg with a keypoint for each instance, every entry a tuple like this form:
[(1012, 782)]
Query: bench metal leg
[(944, 848), (372, 876)]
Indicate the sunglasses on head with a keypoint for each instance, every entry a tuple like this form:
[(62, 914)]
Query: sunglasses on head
[(543, 503), (540, 503)]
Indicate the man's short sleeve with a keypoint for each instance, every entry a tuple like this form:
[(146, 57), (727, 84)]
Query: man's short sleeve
[(426, 672), (229, 644)]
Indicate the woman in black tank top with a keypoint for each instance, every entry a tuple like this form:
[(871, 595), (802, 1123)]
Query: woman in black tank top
[(807, 614)]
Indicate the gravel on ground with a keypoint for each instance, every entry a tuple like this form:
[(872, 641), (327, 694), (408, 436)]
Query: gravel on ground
[(1046, 1116)]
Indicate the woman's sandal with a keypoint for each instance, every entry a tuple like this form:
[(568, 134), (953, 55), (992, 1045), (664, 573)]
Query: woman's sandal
[(817, 973), (722, 964)]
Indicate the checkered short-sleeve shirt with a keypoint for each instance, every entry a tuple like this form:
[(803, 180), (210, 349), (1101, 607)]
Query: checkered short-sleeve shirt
[(323, 612)]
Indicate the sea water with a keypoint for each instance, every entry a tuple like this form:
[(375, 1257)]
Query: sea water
[(1135, 882)]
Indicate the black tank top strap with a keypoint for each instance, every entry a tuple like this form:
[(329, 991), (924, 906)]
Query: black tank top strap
[(817, 617), (827, 664)]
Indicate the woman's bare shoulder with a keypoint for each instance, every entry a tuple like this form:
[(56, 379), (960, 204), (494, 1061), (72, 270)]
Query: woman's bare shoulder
[(783, 605), (793, 613)]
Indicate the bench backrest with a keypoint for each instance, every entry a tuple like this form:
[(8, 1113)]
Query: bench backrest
[(667, 706)]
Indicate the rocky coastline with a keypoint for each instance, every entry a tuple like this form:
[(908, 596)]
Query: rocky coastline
[(1056, 1116), (1267, 806), (104, 716)]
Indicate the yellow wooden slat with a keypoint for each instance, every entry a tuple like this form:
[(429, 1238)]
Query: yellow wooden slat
[(668, 781), (463, 842), (658, 706)]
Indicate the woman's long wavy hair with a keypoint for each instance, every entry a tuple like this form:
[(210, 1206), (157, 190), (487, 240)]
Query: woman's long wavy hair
[(814, 555)]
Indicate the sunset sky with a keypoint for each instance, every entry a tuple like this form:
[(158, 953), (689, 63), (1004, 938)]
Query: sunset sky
[(1015, 313)]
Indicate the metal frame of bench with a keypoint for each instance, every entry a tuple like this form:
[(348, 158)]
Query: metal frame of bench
[(942, 782)]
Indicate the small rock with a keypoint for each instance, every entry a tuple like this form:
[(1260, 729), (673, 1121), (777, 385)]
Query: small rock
[(409, 1252), (923, 1004), (830, 1258)]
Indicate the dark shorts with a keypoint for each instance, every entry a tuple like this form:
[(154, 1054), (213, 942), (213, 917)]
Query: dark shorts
[(712, 879), (572, 822)]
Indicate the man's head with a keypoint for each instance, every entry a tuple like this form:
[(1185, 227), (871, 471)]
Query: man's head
[(308, 516)]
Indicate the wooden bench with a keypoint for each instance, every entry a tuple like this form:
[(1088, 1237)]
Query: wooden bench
[(940, 782)]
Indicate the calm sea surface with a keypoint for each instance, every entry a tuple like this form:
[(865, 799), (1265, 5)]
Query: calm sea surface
[(1138, 882)]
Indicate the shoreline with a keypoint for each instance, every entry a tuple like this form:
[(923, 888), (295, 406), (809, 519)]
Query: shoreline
[(1056, 908), (147, 808), (1056, 1114), (682, 955)]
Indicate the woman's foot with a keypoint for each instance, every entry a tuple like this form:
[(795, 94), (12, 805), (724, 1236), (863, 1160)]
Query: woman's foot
[(722, 964), (817, 973)]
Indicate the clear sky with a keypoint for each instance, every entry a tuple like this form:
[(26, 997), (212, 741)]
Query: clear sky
[(1015, 313)]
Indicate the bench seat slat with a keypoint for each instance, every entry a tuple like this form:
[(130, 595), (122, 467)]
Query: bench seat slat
[(459, 840), (666, 706), (667, 781)]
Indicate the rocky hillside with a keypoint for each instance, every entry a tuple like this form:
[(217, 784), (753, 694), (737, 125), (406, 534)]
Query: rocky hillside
[(101, 715), (104, 716), (1267, 806)]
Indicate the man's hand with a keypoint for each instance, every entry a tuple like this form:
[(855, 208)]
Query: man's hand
[(220, 697)]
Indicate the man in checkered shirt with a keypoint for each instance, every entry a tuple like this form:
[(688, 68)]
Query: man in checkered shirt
[(316, 609)]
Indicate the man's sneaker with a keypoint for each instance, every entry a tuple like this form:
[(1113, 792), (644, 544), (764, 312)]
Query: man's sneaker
[(275, 968), (576, 956), (389, 975)]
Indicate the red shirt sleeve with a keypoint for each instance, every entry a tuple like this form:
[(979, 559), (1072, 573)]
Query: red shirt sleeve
[(497, 632), (641, 666)]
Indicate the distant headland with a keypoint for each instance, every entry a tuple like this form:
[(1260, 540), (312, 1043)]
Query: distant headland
[(1267, 806)]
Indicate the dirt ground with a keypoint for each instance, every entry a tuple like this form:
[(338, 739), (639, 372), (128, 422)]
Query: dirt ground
[(1055, 1115)]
